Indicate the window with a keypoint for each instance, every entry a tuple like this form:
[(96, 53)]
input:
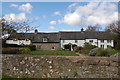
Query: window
[(109, 41), (102, 41), (27, 39), (63, 41), (53, 48), (102, 46), (14, 39), (76, 41), (44, 39), (91, 41)]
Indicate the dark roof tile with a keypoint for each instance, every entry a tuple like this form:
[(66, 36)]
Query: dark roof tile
[(52, 37), (55, 37)]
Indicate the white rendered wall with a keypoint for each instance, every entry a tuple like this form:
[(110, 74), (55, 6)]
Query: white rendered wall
[(93, 43), (105, 43), (79, 42), (67, 42), (18, 42)]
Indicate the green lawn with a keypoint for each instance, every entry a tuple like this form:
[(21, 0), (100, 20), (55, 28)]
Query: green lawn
[(56, 53), (84, 52)]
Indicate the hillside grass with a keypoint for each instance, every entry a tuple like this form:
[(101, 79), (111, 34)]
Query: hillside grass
[(55, 53)]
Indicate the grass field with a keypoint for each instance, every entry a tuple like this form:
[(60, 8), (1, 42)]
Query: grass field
[(55, 53)]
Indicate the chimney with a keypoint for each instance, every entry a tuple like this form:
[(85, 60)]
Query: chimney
[(82, 29), (36, 31)]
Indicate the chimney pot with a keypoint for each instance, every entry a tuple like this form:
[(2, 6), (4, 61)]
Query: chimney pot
[(82, 29), (36, 31)]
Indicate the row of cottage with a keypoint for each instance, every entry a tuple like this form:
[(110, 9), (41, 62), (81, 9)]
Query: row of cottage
[(62, 39)]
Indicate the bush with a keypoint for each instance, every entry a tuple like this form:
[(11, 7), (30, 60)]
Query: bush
[(117, 46), (80, 48), (110, 47), (88, 46), (116, 55), (75, 48), (107, 52), (103, 52), (114, 52), (26, 51), (31, 47), (94, 51)]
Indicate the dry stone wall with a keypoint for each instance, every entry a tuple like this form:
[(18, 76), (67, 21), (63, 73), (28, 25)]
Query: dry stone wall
[(34, 66)]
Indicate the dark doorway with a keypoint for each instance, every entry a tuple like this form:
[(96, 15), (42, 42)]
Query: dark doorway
[(70, 46), (67, 47)]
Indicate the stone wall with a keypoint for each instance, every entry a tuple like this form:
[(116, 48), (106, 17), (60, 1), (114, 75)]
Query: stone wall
[(47, 46), (59, 66)]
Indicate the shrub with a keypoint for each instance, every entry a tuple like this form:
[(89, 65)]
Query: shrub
[(116, 55), (113, 52), (31, 47), (103, 52), (94, 51), (117, 46), (107, 52), (110, 47), (80, 48), (89, 46), (75, 48), (26, 51)]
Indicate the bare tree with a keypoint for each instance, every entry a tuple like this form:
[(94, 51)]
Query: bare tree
[(93, 28), (115, 29), (9, 27)]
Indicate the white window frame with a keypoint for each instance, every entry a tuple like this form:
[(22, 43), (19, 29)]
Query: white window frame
[(108, 41), (15, 39), (27, 39), (45, 39)]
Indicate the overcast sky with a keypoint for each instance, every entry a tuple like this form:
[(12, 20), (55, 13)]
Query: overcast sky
[(60, 16)]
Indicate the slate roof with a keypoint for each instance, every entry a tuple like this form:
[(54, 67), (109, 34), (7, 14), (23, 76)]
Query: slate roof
[(62, 35), (86, 35), (51, 37)]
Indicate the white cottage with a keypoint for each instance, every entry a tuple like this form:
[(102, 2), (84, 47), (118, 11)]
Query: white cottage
[(97, 38), (58, 40)]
